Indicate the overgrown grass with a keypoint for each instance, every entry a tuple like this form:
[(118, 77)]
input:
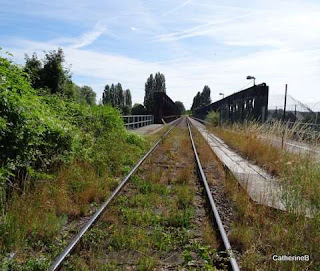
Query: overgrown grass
[(58, 160), (299, 174), (153, 220), (259, 232)]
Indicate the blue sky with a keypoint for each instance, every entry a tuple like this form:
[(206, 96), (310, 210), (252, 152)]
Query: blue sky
[(193, 42)]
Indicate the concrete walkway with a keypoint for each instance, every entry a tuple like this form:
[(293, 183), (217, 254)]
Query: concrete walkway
[(261, 187), (148, 130)]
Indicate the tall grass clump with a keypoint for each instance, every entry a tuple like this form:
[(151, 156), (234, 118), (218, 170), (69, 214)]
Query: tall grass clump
[(213, 118), (58, 157), (299, 173), (259, 232)]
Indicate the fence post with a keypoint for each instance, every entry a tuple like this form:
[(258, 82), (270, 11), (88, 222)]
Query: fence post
[(284, 114)]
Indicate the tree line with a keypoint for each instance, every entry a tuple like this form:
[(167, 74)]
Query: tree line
[(115, 96), (201, 99), (49, 76), (154, 83)]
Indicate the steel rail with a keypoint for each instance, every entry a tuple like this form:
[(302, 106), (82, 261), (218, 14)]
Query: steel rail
[(59, 260), (224, 237)]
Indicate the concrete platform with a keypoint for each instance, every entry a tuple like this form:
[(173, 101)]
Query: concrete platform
[(260, 186), (148, 130)]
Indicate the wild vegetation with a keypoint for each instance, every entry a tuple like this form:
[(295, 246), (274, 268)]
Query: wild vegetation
[(50, 76), (139, 109), (58, 161), (157, 222), (298, 173), (213, 118), (259, 232)]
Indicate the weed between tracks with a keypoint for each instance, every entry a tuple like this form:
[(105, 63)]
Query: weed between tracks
[(259, 232), (157, 222)]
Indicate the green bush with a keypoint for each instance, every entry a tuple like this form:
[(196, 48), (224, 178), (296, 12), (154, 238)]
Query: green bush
[(213, 118), (39, 133), (31, 135)]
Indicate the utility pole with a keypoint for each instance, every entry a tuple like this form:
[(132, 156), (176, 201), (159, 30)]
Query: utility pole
[(284, 114)]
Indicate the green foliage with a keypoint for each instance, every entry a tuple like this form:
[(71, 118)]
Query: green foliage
[(148, 96), (213, 118), (32, 264), (33, 68), (32, 136), (126, 110), (116, 97), (38, 133), (127, 98), (49, 73), (87, 94), (54, 75), (138, 109), (181, 107), (154, 84), (205, 96), (201, 99), (49, 76)]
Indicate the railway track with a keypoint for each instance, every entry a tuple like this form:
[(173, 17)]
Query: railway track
[(174, 231)]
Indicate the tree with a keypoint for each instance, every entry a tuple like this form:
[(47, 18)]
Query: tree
[(181, 107), (159, 83), (205, 96), (50, 73), (116, 97), (196, 101), (201, 99), (87, 94), (127, 98), (113, 98), (54, 75), (148, 96), (154, 84), (33, 68), (119, 96), (138, 109), (106, 97)]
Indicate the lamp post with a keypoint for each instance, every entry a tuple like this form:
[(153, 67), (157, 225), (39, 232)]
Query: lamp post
[(222, 95), (249, 77)]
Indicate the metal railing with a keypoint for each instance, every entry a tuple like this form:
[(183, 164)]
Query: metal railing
[(137, 121)]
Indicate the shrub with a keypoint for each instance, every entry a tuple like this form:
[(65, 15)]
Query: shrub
[(57, 157), (40, 133), (31, 135), (213, 118)]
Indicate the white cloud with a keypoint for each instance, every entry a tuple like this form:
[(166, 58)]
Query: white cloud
[(276, 41), (84, 39), (182, 5), (184, 78), (90, 37)]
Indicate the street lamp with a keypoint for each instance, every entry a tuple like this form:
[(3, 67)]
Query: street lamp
[(222, 95), (249, 77)]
